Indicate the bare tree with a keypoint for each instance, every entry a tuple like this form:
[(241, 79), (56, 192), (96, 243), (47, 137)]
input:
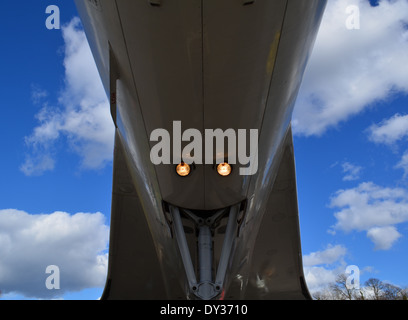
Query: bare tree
[(360, 295), (325, 294), (373, 289), (404, 294), (391, 292), (341, 290), (376, 287)]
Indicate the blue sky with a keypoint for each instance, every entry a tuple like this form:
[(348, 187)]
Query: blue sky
[(350, 125)]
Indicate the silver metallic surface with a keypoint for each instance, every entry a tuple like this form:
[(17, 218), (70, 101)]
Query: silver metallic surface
[(209, 64)]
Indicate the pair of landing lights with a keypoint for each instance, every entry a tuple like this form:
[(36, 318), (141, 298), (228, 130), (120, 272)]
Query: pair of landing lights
[(223, 169)]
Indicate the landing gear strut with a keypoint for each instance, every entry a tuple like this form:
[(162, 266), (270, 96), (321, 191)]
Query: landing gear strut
[(208, 286)]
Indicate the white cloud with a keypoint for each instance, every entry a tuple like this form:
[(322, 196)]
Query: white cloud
[(403, 164), (328, 256), (383, 237), (319, 278), (351, 69), (371, 208), (83, 115), (38, 163), (76, 243), (322, 267), (352, 171), (389, 130)]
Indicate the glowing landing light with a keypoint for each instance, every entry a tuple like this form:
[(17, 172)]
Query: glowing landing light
[(183, 169), (224, 169)]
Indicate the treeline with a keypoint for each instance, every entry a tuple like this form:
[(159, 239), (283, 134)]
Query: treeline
[(373, 289)]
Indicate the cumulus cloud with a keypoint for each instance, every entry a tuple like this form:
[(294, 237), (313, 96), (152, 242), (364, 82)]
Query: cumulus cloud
[(403, 164), (389, 131), (374, 209), (77, 244), (383, 237), (322, 267), (349, 70), (330, 255), (82, 116)]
